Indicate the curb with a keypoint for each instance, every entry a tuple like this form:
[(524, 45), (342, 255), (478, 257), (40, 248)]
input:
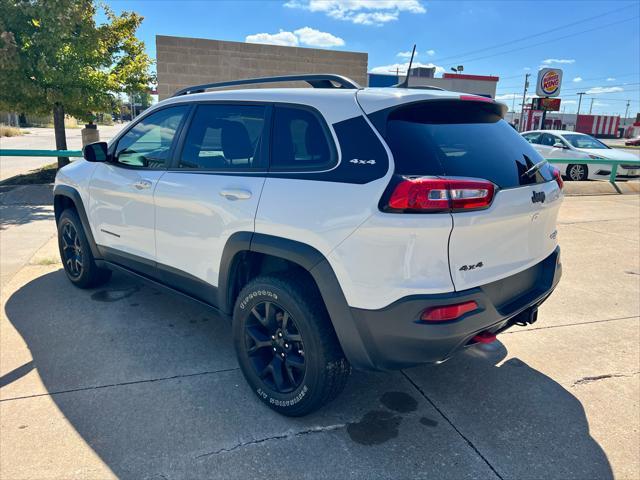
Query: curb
[(576, 189)]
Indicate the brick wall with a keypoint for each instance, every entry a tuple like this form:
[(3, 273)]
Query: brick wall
[(182, 62)]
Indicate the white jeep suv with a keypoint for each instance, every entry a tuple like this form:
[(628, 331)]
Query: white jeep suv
[(337, 226)]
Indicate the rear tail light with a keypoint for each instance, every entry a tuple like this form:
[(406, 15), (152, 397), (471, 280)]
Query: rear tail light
[(558, 177), (440, 194), (448, 312)]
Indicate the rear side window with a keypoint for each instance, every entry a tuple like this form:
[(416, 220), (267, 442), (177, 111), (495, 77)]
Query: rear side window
[(300, 141), (223, 137), (462, 139)]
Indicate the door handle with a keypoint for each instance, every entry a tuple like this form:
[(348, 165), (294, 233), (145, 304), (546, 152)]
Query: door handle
[(142, 184), (235, 194)]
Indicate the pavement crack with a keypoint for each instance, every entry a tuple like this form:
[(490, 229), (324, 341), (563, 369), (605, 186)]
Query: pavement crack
[(469, 442), (282, 436), (120, 384), (530, 329), (586, 380)]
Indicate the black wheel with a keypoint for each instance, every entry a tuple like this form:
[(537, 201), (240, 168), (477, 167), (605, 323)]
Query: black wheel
[(577, 172), (286, 345), (76, 255)]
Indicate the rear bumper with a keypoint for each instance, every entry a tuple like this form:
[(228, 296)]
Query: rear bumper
[(394, 337)]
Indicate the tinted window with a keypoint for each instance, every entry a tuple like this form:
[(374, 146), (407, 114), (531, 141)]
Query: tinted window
[(583, 141), (299, 141), (148, 143), (532, 137), (225, 137), (462, 139)]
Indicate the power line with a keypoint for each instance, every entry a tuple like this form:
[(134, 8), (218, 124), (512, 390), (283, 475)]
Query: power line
[(548, 41), (584, 79), (561, 27)]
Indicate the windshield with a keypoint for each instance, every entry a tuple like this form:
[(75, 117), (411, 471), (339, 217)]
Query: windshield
[(584, 141)]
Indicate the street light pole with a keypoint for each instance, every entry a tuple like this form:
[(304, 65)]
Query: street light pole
[(626, 112), (524, 96), (591, 106), (579, 102)]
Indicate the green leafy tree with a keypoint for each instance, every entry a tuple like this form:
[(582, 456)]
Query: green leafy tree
[(55, 58)]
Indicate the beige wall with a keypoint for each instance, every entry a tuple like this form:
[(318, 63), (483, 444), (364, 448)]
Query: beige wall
[(182, 62), (478, 87)]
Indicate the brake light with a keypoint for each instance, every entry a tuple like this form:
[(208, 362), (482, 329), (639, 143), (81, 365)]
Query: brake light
[(558, 177), (441, 194), (476, 98), (448, 312)]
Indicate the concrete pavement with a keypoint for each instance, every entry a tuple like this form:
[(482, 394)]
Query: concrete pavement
[(43, 139), (126, 381)]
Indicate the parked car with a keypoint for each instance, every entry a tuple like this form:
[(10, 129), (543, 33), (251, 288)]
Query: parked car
[(633, 141), (573, 146), (336, 227)]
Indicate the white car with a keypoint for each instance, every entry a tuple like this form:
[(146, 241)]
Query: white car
[(336, 227), (575, 146)]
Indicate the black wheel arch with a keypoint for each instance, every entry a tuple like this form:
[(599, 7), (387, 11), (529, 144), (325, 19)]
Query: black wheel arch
[(311, 261), (65, 197)]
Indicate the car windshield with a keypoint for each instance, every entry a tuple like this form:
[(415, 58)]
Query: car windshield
[(584, 141)]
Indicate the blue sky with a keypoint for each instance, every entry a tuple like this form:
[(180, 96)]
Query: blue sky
[(597, 43)]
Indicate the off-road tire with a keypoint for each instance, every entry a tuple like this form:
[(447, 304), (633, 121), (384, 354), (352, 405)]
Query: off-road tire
[(75, 253), (326, 369)]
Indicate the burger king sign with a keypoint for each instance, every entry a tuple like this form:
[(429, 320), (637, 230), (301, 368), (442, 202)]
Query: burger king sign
[(549, 81)]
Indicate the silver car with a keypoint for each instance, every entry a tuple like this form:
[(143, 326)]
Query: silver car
[(575, 146)]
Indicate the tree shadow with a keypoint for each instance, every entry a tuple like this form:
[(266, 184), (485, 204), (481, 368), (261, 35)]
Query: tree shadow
[(12, 215), (101, 355)]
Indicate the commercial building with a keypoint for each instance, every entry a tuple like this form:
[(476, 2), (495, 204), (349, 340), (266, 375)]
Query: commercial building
[(182, 62), (425, 77)]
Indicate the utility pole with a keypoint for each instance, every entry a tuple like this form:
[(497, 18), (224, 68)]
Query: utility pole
[(579, 103), (524, 97), (626, 112), (513, 104), (591, 106)]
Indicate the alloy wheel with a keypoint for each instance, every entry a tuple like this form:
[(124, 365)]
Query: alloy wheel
[(72, 250), (275, 347), (576, 172)]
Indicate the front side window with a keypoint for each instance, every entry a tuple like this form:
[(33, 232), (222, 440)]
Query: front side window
[(222, 137), (299, 141), (532, 137), (584, 141), (148, 143)]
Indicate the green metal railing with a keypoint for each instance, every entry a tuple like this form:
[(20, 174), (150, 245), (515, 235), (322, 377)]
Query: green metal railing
[(78, 153), (582, 161), (40, 153)]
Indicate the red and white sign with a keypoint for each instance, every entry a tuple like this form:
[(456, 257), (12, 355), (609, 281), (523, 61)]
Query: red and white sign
[(598, 125)]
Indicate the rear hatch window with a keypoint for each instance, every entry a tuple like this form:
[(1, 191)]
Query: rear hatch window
[(460, 139)]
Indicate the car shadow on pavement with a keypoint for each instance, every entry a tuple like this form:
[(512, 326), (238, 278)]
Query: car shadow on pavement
[(150, 383), (12, 215)]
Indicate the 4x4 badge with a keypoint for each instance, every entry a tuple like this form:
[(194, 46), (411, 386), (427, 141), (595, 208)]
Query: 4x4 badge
[(538, 197), (465, 268)]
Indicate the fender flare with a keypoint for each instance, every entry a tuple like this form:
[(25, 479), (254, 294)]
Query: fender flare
[(73, 195), (318, 266)]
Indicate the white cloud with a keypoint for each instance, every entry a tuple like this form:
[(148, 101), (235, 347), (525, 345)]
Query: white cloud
[(611, 79), (565, 102), (597, 90), (288, 39), (526, 69), (362, 12), (511, 96), (406, 54), (577, 79), (551, 61), (316, 38), (303, 36), (600, 104), (402, 68), (431, 53)]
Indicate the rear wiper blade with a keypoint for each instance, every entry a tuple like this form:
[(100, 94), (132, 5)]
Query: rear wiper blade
[(534, 169)]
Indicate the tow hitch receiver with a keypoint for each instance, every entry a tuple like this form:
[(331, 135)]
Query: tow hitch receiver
[(528, 317)]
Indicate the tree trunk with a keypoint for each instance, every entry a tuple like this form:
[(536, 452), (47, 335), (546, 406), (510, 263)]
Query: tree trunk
[(61, 137)]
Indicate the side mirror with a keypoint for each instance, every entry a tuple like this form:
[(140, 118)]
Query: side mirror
[(95, 152), (559, 145)]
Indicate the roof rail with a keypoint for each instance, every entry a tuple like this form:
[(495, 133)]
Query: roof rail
[(425, 87), (323, 80)]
